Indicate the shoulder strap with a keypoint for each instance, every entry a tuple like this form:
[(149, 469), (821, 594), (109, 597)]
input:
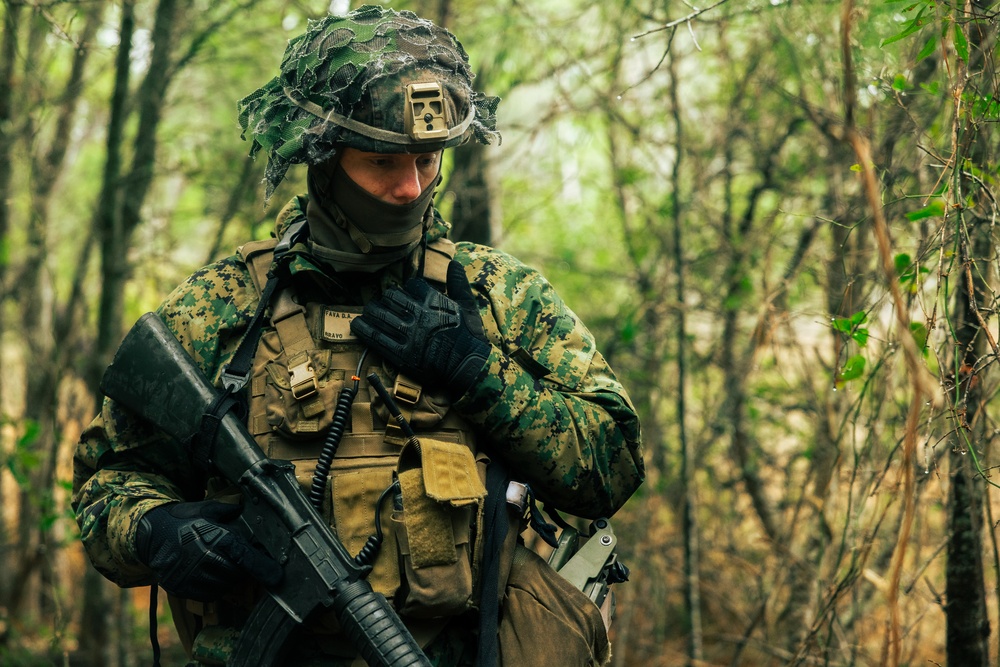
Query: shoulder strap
[(287, 317), (236, 374), (258, 255), (407, 390), (439, 254)]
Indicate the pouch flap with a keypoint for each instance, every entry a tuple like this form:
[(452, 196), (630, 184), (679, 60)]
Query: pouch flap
[(449, 471)]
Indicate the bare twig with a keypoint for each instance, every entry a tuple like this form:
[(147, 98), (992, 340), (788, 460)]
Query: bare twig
[(684, 19), (975, 307)]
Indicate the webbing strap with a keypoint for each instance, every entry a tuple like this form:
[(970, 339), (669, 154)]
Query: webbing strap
[(153, 639), (437, 258), (296, 98), (497, 524), (210, 421), (289, 319), (236, 374)]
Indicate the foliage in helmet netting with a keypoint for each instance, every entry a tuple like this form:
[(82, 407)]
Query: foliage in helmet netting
[(333, 65)]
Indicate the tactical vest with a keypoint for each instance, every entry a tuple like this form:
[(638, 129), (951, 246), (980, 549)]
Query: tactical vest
[(432, 556), (428, 564)]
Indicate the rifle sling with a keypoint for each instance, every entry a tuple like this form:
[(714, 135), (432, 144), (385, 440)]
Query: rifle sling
[(497, 524)]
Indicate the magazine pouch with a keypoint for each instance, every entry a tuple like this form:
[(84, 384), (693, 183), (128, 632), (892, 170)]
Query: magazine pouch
[(442, 495)]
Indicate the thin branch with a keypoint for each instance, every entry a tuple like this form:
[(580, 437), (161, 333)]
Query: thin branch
[(975, 307), (685, 19)]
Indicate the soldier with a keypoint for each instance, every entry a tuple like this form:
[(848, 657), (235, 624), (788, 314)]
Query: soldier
[(479, 353)]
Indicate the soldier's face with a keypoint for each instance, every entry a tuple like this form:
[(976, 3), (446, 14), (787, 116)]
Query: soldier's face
[(395, 178)]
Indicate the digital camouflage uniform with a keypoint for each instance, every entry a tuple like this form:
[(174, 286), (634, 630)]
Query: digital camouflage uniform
[(546, 403)]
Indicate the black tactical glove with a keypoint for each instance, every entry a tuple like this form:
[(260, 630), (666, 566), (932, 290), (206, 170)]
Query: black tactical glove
[(197, 552), (426, 334)]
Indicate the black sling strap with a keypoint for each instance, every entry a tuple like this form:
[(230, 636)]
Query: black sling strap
[(497, 523), (236, 373)]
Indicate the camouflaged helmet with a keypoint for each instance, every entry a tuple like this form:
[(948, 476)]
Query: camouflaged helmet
[(376, 80)]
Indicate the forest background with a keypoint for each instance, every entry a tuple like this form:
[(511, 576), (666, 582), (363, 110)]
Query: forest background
[(777, 217)]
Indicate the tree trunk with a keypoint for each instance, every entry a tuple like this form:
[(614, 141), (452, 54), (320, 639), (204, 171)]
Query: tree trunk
[(968, 625), (119, 209), (49, 361), (8, 84), (8, 80), (689, 521), (96, 622), (472, 215)]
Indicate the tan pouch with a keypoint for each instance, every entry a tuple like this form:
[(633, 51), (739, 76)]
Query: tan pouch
[(297, 395), (355, 495), (545, 620), (442, 497)]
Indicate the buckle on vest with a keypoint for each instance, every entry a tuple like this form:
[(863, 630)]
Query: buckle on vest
[(233, 381), (302, 378), (406, 390)]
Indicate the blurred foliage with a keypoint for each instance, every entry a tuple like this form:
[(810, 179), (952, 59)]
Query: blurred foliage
[(644, 142)]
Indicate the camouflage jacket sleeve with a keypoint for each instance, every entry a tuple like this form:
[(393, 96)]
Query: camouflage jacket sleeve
[(123, 468), (547, 400)]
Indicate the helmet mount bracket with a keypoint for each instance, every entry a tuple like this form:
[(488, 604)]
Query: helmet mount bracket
[(425, 111)]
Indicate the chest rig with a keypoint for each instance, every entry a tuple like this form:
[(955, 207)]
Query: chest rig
[(428, 564)]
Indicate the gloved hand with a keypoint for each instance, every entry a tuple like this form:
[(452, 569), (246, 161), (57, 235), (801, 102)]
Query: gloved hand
[(197, 552), (427, 335)]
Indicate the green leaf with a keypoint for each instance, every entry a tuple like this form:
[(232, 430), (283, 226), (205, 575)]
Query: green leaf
[(899, 83), (902, 262), (742, 290), (919, 331), (910, 27), (986, 107), (934, 209), (928, 49), (853, 369), (856, 167), (850, 327), (934, 87), (961, 44), (628, 331), (631, 175), (31, 431), (843, 325)]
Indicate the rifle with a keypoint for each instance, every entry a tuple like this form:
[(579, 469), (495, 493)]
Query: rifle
[(153, 376)]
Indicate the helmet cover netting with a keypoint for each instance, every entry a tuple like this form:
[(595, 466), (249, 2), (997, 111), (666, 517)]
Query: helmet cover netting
[(357, 66)]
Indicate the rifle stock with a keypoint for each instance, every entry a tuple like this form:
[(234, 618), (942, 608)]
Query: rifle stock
[(153, 376)]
